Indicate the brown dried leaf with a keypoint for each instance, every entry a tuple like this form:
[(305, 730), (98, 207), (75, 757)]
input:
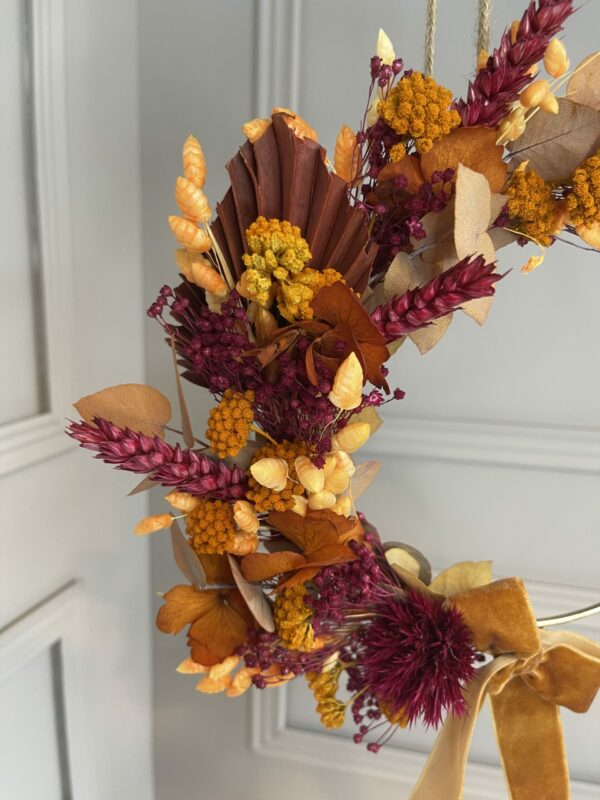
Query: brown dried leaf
[(143, 486), (555, 144), (461, 577), (473, 147), (262, 566), (584, 85), (186, 558), (411, 581), (254, 596), (128, 405)]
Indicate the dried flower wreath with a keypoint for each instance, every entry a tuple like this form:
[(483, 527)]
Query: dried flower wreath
[(291, 302)]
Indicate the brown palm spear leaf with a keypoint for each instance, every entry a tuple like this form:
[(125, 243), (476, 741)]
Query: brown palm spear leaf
[(284, 176)]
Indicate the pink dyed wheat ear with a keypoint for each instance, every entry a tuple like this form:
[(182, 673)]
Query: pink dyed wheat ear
[(471, 278), (507, 70), (170, 466)]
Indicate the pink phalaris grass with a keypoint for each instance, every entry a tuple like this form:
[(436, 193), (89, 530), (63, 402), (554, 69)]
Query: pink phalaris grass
[(416, 656), (168, 465), (507, 69), (471, 278)]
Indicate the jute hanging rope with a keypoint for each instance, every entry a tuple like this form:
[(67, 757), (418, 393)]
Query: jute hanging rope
[(483, 31)]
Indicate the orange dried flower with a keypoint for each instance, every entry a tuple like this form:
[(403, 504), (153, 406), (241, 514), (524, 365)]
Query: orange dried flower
[(532, 206), (584, 202), (418, 108), (229, 423), (266, 499), (292, 619), (211, 527)]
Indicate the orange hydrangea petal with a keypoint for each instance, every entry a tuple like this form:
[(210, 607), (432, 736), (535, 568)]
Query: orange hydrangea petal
[(262, 566), (221, 629), (183, 605)]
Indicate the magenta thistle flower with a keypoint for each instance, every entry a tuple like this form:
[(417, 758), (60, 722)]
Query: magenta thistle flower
[(184, 469), (507, 70), (416, 656), (469, 279)]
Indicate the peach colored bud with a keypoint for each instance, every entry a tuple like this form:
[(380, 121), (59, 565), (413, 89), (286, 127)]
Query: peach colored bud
[(210, 685), (347, 384), (206, 277), (550, 104), (194, 163), (189, 234), (532, 96), (311, 477), (156, 522), (255, 128), (245, 516), (218, 671), (244, 543), (270, 472), (300, 506), (556, 61), (321, 500), (182, 501), (189, 667)]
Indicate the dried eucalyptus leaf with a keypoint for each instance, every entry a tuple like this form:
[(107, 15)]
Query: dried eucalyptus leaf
[(128, 405), (461, 577), (426, 338), (185, 557), (399, 277), (255, 599), (584, 85), (363, 477), (556, 144), (409, 558), (473, 212)]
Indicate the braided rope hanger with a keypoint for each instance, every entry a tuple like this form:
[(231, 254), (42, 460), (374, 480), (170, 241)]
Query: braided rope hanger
[(483, 43)]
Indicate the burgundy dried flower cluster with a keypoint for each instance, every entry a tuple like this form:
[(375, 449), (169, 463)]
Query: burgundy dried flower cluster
[(471, 278)]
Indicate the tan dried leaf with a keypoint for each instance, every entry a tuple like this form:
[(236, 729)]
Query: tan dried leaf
[(363, 477), (408, 558), (346, 155), (400, 276), (128, 405), (371, 417), (384, 48), (461, 577), (584, 85), (255, 599), (556, 144), (426, 338), (186, 558), (474, 147)]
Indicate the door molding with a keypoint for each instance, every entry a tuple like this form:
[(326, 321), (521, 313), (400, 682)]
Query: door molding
[(57, 622), (39, 437), (272, 736)]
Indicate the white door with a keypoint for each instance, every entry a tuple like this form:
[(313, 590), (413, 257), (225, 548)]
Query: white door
[(494, 453), (74, 597)]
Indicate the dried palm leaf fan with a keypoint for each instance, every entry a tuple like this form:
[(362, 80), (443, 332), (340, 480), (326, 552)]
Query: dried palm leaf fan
[(285, 176)]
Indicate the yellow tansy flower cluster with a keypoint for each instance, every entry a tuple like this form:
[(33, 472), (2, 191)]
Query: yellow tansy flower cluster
[(292, 619), (211, 527), (417, 107), (265, 499), (278, 252), (531, 205), (584, 203), (324, 686), (229, 423)]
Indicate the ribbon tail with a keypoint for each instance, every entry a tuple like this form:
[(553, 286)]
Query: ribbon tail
[(530, 738), (444, 772)]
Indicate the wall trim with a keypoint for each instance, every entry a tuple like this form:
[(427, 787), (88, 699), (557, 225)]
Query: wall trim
[(57, 620), (505, 444), (272, 737), (27, 441)]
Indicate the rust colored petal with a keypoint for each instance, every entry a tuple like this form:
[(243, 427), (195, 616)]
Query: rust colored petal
[(262, 566)]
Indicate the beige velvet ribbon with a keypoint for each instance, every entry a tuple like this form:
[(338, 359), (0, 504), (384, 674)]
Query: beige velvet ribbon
[(531, 675)]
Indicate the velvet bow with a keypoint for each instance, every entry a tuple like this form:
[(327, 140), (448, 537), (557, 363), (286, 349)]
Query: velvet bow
[(532, 673)]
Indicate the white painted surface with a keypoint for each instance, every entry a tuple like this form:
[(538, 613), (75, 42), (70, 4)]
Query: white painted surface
[(65, 517), (494, 452)]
